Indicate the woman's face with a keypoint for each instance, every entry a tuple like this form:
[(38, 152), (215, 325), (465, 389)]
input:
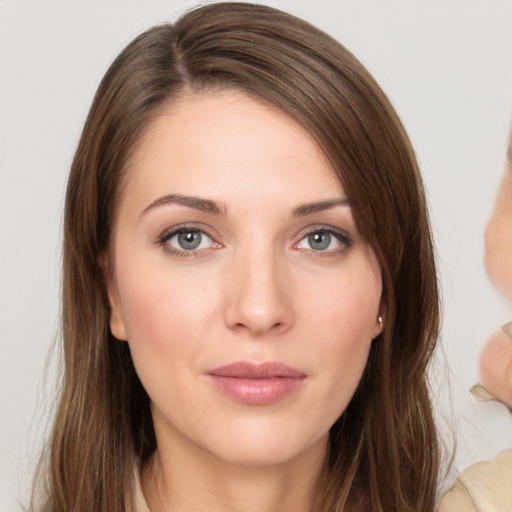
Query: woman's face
[(239, 279), (498, 237)]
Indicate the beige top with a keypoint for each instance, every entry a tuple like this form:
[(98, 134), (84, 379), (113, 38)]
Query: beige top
[(482, 487), (140, 501)]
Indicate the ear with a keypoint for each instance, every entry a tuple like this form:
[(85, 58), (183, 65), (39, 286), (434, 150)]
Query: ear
[(117, 326)]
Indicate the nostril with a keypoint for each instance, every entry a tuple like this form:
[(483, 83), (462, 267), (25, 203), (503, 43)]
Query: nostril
[(257, 300)]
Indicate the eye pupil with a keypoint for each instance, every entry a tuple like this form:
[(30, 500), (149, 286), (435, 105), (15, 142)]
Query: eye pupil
[(189, 240), (319, 241)]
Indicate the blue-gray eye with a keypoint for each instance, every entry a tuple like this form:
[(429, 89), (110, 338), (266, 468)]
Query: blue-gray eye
[(321, 240), (189, 240)]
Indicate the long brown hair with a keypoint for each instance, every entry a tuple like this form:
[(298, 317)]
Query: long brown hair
[(383, 449)]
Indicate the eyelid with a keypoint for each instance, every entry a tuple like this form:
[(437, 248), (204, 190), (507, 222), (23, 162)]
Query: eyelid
[(342, 235), (168, 233)]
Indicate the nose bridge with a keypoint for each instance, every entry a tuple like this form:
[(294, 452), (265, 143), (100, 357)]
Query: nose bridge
[(258, 300)]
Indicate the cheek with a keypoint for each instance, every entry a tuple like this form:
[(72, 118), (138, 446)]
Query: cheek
[(156, 298), (165, 313), (149, 319), (167, 317), (147, 310), (498, 238), (498, 251), (348, 339), (346, 308), (344, 323), (341, 356)]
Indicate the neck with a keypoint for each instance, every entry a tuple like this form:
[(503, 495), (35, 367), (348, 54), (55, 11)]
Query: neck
[(185, 478)]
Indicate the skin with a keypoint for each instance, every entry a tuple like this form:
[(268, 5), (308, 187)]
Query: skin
[(255, 289), (498, 237), (496, 355)]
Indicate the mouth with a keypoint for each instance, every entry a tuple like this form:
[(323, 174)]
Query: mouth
[(257, 383)]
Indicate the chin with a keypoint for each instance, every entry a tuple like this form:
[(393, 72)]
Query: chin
[(260, 446)]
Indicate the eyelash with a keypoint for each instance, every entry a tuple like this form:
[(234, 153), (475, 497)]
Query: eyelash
[(340, 235), (164, 238)]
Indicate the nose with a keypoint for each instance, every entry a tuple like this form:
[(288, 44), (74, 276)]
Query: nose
[(259, 295)]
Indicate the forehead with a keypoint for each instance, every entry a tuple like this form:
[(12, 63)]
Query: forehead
[(213, 142)]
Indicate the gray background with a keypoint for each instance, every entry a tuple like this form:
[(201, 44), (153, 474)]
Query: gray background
[(447, 66)]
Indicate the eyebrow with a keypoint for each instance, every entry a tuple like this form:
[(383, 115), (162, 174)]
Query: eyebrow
[(308, 208), (198, 203), (209, 206)]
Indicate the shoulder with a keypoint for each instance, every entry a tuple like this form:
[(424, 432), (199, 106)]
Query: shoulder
[(482, 487)]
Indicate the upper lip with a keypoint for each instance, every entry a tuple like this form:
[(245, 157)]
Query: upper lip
[(250, 370)]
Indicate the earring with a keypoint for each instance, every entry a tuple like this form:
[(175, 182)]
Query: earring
[(381, 323)]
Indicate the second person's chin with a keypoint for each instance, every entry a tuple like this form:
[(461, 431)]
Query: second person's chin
[(499, 271), (496, 364)]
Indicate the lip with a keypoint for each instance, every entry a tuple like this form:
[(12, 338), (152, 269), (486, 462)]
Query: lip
[(257, 383)]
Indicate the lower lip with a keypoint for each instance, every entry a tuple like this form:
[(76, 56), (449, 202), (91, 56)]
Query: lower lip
[(257, 391)]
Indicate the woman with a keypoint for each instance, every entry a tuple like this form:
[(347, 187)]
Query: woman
[(250, 300)]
